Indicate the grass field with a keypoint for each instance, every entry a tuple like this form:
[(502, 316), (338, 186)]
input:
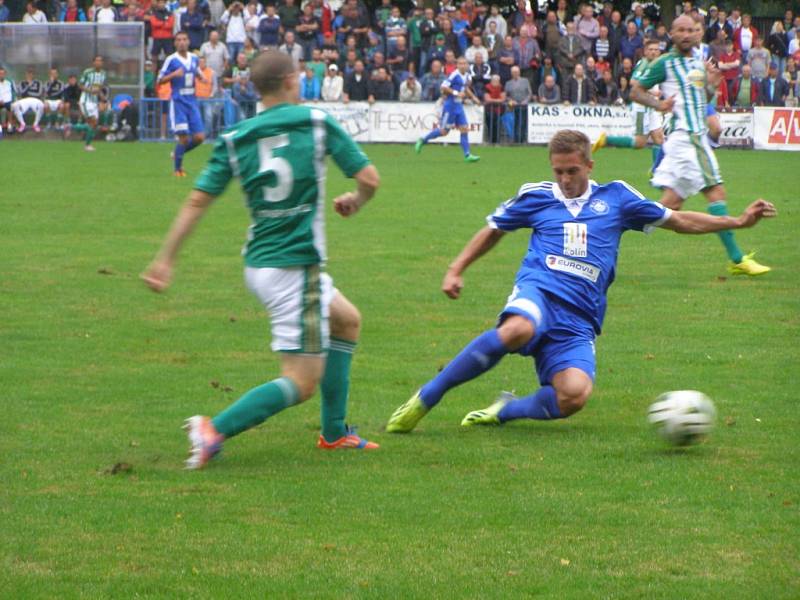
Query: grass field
[(97, 371)]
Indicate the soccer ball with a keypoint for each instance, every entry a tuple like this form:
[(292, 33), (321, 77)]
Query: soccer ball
[(684, 417)]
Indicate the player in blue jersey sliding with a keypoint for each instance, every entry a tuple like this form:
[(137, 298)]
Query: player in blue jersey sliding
[(559, 298), (454, 89), (180, 70)]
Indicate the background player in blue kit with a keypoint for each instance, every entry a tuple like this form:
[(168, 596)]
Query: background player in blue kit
[(454, 89), (180, 69), (559, 299)]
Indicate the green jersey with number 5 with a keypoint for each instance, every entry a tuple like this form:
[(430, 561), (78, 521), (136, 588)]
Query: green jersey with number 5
[(279, 158)]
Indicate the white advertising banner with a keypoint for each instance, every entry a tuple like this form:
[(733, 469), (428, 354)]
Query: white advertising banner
[(398, 121), (545, 119), (353, 117), (737, 129), (776, 128), (407, 122)]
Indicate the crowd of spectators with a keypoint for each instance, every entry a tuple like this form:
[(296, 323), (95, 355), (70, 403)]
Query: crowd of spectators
[(558, 54)]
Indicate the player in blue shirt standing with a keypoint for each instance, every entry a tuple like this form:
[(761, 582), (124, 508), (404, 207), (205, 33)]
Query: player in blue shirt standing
[(454, 89), (559, 298), (180, 69)]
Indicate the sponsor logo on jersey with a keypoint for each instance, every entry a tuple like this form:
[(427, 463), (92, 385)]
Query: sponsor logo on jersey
[(575, 239), (697, 78), (599, 206), (573, 267)]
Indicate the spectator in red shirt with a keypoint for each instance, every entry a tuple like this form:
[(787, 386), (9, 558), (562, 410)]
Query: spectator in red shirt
[(494, 99), (161, 25), (742, 84), (744, 38), (720, 99), (72, 13), (729, 63)]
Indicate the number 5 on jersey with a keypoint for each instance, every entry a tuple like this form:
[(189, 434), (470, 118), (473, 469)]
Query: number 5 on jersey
[(284, 177)]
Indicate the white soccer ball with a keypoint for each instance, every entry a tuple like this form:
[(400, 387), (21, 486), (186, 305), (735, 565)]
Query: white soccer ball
[(684, 417)]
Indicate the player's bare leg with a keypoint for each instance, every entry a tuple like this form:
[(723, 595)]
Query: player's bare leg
[(345, 326), (671, 199)]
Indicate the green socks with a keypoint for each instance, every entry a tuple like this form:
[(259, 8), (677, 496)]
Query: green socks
[(260, 403), (720, 209), (620, 141), (335, 389), (256, 406), (89, 131)]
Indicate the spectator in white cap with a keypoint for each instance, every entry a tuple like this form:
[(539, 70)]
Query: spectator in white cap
[(332, 84)]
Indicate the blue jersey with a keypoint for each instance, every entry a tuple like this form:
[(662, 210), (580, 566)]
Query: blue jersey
[(182, 86), (573, 249), (457, 83)]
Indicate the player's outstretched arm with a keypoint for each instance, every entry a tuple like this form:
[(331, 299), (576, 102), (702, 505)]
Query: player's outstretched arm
[(349, 203), (696, 222), (480, 244), (158, 275)]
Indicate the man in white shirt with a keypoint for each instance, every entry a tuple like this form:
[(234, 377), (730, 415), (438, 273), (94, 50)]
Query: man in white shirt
[(33, 15), (106, 13), (410, 90), (332, 85), (216, 54)]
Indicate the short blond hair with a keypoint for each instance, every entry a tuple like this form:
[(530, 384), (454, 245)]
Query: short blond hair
[(269, 69), (568, 141)]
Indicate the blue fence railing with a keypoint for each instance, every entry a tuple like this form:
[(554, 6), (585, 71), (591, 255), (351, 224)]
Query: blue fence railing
[(217, 113)]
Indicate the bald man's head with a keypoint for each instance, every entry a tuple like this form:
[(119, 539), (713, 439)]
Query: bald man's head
[(683, 34)]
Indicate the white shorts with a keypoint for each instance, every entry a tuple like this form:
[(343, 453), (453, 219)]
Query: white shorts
[(689, 164), (646, 121), (89, 109), (298, 301), (52, 105), (26, 104)]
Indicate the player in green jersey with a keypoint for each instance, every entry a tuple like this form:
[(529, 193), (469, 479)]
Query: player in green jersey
[(91, 83), (647, 122), (279, 158), (689, 165)]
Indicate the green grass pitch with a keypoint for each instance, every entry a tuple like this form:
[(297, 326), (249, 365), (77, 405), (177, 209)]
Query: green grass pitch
[(98, 371)]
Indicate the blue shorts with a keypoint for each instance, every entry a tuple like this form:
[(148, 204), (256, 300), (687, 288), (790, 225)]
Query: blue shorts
[(185, 118), (453, 116), (564, 337), (710, 110)]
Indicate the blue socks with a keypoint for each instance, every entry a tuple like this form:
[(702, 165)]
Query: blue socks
[(543, 405), (432, 135), (480, 355), (465, 143), (179, 151)]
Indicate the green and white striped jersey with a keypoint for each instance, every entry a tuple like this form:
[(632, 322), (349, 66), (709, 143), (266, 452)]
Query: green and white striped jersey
[(89, 78), (638, 71), (279, 158), (683, 77)]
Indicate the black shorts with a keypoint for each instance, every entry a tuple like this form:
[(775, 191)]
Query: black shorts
[(164, 44)]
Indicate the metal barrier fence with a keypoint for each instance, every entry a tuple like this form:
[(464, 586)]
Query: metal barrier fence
[(217, 113)]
